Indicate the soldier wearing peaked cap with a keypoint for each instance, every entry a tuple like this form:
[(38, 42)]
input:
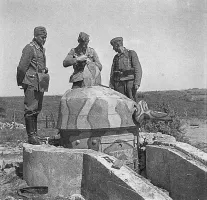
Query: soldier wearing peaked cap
[(84, 59), (32, 76), (126, 71)]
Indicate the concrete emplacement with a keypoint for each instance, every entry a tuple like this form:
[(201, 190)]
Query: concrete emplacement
[(83, 171), (176, 167)]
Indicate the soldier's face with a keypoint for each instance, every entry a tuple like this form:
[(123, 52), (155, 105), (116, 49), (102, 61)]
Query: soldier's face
[(116, 48), (41, 39), (85, 43)]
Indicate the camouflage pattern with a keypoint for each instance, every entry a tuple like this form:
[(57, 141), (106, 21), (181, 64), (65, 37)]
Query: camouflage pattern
[(99, 107), (91, 75), (95, 108), (142, 112)]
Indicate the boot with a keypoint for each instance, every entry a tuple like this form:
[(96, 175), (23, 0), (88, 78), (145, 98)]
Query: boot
[(35, 124), (30, 128)]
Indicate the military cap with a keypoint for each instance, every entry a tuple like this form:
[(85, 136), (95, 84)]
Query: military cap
[(40, 30), (116, 40), (83, 37)]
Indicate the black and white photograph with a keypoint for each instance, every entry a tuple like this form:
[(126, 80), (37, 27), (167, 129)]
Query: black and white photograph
[(103, 100)]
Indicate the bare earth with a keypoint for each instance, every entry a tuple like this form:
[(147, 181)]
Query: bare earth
[(196, 132)]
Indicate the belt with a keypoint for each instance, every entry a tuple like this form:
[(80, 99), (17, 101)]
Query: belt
[(124, 72), (121, 74)]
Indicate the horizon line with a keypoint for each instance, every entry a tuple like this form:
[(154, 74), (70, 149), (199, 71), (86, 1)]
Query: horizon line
[(138, 91)]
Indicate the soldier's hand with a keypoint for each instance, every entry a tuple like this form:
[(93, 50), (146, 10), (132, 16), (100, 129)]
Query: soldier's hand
[(136, 87), (23, 86), (88, 61), (81, 58), (46, 70)]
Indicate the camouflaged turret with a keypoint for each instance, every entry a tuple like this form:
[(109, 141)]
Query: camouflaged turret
[(102, 119), (95, 108), (98, 118)]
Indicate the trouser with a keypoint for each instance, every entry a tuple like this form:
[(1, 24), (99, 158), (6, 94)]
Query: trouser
[(32, 101), (126, 87), (78, 84), (33, 105)]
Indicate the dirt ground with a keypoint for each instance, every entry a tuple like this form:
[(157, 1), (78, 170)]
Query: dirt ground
[(196, 132)]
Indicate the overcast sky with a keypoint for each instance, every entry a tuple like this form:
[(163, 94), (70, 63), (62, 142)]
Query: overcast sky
[(168, 36)]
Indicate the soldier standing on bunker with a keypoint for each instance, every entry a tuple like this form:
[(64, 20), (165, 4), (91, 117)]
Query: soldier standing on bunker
[(32, 75), (126, 71), (79, 57)]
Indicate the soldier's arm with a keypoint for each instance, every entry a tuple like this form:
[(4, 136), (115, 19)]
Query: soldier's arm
[(137, 68), (96, 60), (27, 55), (111, 82), (70, 59)]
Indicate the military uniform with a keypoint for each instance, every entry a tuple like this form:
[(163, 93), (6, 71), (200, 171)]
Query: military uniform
[(78, 75), (32, 65), (126, 72), (32, 61)]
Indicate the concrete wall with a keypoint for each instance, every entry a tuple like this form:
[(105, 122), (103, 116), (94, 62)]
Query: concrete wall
[(69, 171), (56, 168), (179, 168), (102, 182)]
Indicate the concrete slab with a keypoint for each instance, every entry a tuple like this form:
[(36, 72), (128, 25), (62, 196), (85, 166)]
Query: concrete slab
[(57, 168), (100, 180), (177, 171)]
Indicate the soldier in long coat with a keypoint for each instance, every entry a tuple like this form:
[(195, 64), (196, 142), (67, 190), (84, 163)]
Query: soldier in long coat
[(79, 57), (126, 71), (33, 78)]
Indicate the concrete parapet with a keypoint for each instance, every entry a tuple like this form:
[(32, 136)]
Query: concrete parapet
[(191, 151), (57, 168), (101, 181), (69, 171), (179, 168)]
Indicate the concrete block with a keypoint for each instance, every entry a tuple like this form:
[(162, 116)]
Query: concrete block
[(101, 181), (157, 166), (120, 192), (82, 171), (57, 168), (181, 174)]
